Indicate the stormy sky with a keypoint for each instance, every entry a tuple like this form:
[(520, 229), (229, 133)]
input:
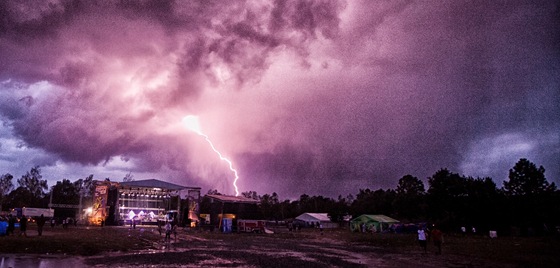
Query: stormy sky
[(303, 96)]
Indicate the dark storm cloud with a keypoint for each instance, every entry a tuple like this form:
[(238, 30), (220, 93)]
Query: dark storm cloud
[(319, 96), (457, 74), (78, 47)]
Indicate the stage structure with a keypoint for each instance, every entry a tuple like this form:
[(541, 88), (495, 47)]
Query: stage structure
[(223, 210), (144, 202)]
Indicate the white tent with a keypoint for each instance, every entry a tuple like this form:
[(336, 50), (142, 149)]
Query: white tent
[(312, 219)]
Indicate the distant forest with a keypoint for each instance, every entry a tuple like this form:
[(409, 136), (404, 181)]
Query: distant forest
[(526, 204)]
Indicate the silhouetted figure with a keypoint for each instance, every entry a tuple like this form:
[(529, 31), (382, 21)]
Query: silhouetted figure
[(11, 224), (174, 230), (437, 236), (167, 231), (40, 223), (23, 226)]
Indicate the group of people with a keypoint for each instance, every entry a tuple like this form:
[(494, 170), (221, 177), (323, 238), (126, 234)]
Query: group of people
[(294, 226), (365, 229), (435, 234), (169, 227), (10, 230), (464, 230)]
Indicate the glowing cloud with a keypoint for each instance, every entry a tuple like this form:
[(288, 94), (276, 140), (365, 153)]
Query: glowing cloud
[(191, 122)]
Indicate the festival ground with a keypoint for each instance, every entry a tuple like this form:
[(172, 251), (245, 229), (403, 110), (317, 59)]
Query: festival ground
[(145, 247)]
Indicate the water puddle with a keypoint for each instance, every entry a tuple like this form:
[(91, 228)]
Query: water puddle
[(32, 261)]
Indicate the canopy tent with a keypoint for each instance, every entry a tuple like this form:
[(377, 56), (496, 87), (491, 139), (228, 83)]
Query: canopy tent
[(312, 219), (376, 223)]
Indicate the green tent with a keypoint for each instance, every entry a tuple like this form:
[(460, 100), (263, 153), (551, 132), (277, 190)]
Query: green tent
[(370, 223)]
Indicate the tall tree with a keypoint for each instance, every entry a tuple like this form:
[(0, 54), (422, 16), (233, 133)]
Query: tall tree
[(33, 182), (363, 203), (373, 202), (65, 192), (410, 185), (530, 194), (339, 209), (250, 194), (410, 200), (482, 205), (6, 186), (213, 191), (128, 177), (86, 187), (21, 197), (445, 197), (526, 179), (268, 205)]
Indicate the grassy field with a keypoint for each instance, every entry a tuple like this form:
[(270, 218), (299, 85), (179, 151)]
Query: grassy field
[(143, 246)]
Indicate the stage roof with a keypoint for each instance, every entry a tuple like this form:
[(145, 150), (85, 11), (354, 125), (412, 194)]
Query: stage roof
[(155, 184)]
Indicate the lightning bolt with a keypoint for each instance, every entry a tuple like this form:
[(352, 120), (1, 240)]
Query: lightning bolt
[(191, 122)]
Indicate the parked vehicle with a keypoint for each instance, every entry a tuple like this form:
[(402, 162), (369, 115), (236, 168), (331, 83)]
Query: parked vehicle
[(251, 226), (33, 212)]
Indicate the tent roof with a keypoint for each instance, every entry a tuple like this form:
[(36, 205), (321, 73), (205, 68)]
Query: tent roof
[(153, 184), (232, 199), (308, 217), (377, 218)]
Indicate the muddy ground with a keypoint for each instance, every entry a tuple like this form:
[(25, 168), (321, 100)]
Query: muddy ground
[(145, 247), (272, 251), (310, 248)]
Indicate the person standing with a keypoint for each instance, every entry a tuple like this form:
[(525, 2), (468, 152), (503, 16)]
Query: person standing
[(437, 236), (422, 239), (11, 224), (167, 231), (174, 230), (23, 226), (40, 223)]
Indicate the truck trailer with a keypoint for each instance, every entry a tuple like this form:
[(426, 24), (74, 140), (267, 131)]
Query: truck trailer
[(33, 212)]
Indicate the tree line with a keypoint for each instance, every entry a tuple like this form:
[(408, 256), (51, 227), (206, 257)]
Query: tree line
[(33, 191), (526, 203)]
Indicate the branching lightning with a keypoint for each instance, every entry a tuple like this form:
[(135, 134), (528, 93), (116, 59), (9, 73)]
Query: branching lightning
[(191, 122)]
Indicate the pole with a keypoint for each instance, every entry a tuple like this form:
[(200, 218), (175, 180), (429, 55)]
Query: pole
[(221, 217), (80, 209), (50, 200), (179, 214)]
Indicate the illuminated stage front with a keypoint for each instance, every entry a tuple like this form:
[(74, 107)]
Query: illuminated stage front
[(145, 202)]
